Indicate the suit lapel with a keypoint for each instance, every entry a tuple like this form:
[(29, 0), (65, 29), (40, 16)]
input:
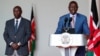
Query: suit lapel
[(67, 16), (77, 23), (12, 25)]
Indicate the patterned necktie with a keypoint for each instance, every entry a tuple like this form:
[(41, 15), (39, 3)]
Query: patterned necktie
[(73, 22), (16, 26)]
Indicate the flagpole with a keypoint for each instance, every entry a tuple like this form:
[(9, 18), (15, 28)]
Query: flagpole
[(98, 6)]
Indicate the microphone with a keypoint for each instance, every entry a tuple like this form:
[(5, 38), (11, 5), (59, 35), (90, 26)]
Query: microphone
[(66, 19), (70, 30), (69, 21), (64, 28)]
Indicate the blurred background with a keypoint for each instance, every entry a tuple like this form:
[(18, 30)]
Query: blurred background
[(47, 13)]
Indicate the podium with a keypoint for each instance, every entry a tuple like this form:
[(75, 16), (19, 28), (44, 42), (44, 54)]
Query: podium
[(65, 40)]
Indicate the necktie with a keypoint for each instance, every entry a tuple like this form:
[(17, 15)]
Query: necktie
[(73, 22), (16, 26)]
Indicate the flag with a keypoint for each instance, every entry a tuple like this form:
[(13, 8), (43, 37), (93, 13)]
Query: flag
[(93, 28), (31, 42)]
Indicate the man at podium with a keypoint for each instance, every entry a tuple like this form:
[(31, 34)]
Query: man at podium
[(74, 23)]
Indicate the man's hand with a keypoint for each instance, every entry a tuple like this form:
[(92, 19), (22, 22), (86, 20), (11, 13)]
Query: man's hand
[(15, 46)]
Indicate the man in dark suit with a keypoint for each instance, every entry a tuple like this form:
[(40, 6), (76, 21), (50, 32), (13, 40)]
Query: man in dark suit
[(16, 34), (78, 22)]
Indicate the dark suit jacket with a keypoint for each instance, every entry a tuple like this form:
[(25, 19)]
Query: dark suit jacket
[(81, 27), (22, 35)]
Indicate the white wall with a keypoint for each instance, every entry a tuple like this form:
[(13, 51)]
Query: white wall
[(47, 15)]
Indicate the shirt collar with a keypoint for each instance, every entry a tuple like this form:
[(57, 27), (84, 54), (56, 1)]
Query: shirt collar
[(73, 15), (19, 19)]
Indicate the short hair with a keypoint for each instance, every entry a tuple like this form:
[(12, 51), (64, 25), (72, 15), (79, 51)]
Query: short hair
[(74, 3), (18, 8)]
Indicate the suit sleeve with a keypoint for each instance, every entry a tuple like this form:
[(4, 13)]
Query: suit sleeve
[(85, 27), (6, 35), (27, 33)]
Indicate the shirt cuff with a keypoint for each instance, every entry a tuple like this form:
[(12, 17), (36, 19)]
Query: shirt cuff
[(11, 43), (19, 43)]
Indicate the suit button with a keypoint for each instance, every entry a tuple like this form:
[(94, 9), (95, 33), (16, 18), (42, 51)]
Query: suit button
[(15, 36)]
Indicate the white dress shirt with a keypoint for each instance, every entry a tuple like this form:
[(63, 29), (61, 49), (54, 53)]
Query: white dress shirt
[(19, 20)]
